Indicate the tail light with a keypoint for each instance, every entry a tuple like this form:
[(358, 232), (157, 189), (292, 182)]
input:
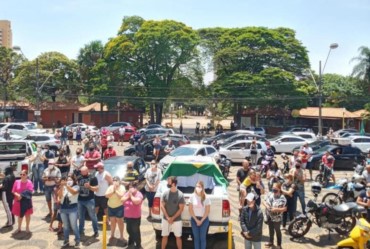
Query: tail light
[(24, 167), (156, 209), (225, 208)]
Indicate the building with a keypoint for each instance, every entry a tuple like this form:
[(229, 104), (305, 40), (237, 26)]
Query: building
[(6, 37)]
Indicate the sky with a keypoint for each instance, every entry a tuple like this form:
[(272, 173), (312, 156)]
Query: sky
[(67, 25)]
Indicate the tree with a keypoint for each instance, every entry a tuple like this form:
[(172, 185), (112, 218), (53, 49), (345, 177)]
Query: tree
[(9, 62), (153, 55), (362, 69)]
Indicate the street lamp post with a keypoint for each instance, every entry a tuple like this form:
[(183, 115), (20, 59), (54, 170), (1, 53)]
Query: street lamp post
[(321, 72)]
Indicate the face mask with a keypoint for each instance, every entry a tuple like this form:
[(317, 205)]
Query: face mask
[(298, 166), (168, 185), (50, 167), (91, 149), (275, 191), (78, 153), (69, 183), (198, 190)]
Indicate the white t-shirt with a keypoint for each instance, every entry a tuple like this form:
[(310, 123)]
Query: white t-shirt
[(309, 152), (78, 161), (152, 177), (198, 207), (121, 131)]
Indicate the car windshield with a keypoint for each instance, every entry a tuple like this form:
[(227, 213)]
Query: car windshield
[(275, 138), (30, 127), (325, 148), (183, 151)]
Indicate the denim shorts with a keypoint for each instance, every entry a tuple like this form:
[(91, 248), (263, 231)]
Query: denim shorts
[(49, 191), (115, 212)]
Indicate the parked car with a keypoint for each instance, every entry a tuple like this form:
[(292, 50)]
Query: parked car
[(151, 126), (189, 150), (237, 151), (117, 166), (148, 145), (286, 143), (42, 139), (257, 130), (237, 137), (346, 157), (129, 131), (117, 125), (189, 170), (21, 129), (295, 129), (340, 132), (151, 133), (306, 135), (314, 145), (361, 142), (223, 136), (17, 154)]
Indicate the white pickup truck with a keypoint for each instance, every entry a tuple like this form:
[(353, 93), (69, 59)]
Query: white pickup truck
[(188, 170), (16, 153)]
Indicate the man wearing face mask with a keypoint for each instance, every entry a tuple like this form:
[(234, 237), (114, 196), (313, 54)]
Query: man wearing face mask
[(77, 162), (86, 202), (172, 205), (48, 154), (152, 178), (37, 170), (251, 223), (51, 177), (131, 175), (104, 181), (299, 179), (92, 157), (110, 152)]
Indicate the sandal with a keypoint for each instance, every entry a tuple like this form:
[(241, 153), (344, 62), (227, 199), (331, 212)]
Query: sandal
[(51, 229), (16, 232), (269, 244)]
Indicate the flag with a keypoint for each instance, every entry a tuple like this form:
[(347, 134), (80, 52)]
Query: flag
[(188, 166)]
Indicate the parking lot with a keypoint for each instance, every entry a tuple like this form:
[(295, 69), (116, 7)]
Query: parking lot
[(41, 237)]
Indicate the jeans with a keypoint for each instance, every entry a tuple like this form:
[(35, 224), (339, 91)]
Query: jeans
[(291, 208), (69, 219), (133, 230), (37, 171), (200, 233), (249, 244), (300, 195), (274, 226), (90, 207)]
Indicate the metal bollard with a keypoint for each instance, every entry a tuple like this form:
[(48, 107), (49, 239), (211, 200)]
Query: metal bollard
[(230, 236), (104, 242)]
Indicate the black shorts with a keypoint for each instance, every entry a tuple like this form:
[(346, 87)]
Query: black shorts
[(101, 201)]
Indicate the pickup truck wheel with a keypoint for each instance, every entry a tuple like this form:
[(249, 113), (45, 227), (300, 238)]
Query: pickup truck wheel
[(158, 234)]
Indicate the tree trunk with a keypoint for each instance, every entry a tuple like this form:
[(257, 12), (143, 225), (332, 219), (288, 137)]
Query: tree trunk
[(158, 112), (151, 107)]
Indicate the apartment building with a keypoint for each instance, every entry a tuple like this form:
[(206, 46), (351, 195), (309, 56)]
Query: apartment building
[(6, 38)]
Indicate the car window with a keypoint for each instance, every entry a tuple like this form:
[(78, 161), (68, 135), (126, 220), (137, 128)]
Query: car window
[(13, 148), (295, 139), (183, 151), (43, 138), (210, 150), (305, 136), (201, 152), (139, 166)]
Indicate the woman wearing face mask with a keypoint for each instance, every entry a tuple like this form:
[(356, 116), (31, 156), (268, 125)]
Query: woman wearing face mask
[(152, 178), (273, 175), (275, 204), (288, 189), (37, 170), (251, 223), (68, 196), (63, 163), (199, 207), (77, 162), (299, 179)]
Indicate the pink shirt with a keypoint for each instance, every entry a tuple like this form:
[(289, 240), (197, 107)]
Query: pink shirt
[(132, 210), (95, 155)]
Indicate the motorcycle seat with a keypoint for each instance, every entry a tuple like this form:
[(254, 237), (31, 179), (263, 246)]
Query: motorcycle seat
[(344, 208), (358, 186)]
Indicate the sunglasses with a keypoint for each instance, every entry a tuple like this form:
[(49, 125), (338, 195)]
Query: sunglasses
[(23, 174)]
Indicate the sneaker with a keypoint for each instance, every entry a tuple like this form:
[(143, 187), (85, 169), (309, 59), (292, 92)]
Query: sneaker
[(96, 234), (77, 244), (65, 243)]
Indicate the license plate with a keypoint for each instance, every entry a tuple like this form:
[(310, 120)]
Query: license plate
[(186, 223)]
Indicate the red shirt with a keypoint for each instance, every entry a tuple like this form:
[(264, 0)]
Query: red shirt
[(324, 160), (109, 153), (88, 155)]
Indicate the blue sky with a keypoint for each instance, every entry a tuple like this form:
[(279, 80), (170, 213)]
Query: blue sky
[(66, 25)]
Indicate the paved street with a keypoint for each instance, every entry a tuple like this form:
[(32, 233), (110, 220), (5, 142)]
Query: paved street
[(42, 238)]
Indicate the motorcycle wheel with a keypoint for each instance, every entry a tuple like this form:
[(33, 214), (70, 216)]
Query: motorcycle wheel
[(348, 223), (299, 227), (332, 199), (321, 179)]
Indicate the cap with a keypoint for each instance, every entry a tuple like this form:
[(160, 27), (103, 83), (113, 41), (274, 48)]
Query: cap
[(116, 178), (100, 164), (110, 145), (250, 197)]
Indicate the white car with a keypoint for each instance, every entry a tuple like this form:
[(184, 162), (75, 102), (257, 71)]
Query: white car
[(189, 150), (306, 135), (239, 150), (286, 143), (361, 142), (21, 129), (42, 139), (117, 125)]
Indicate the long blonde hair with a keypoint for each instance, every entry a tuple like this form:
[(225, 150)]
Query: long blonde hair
[(203, 193)]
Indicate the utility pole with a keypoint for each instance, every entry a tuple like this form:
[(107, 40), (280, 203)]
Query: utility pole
[(37, 112)]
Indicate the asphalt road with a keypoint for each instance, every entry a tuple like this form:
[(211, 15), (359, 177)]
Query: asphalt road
[(41, 237)]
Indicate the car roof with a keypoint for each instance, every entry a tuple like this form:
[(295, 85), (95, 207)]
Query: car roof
[(41, 135), (245, 141), (197, 145)]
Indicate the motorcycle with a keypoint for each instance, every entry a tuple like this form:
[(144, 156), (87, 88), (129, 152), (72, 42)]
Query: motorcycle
[(340, 217), (359, 236), (348, 191), (224, 165), (324, 176), (285, 169)]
